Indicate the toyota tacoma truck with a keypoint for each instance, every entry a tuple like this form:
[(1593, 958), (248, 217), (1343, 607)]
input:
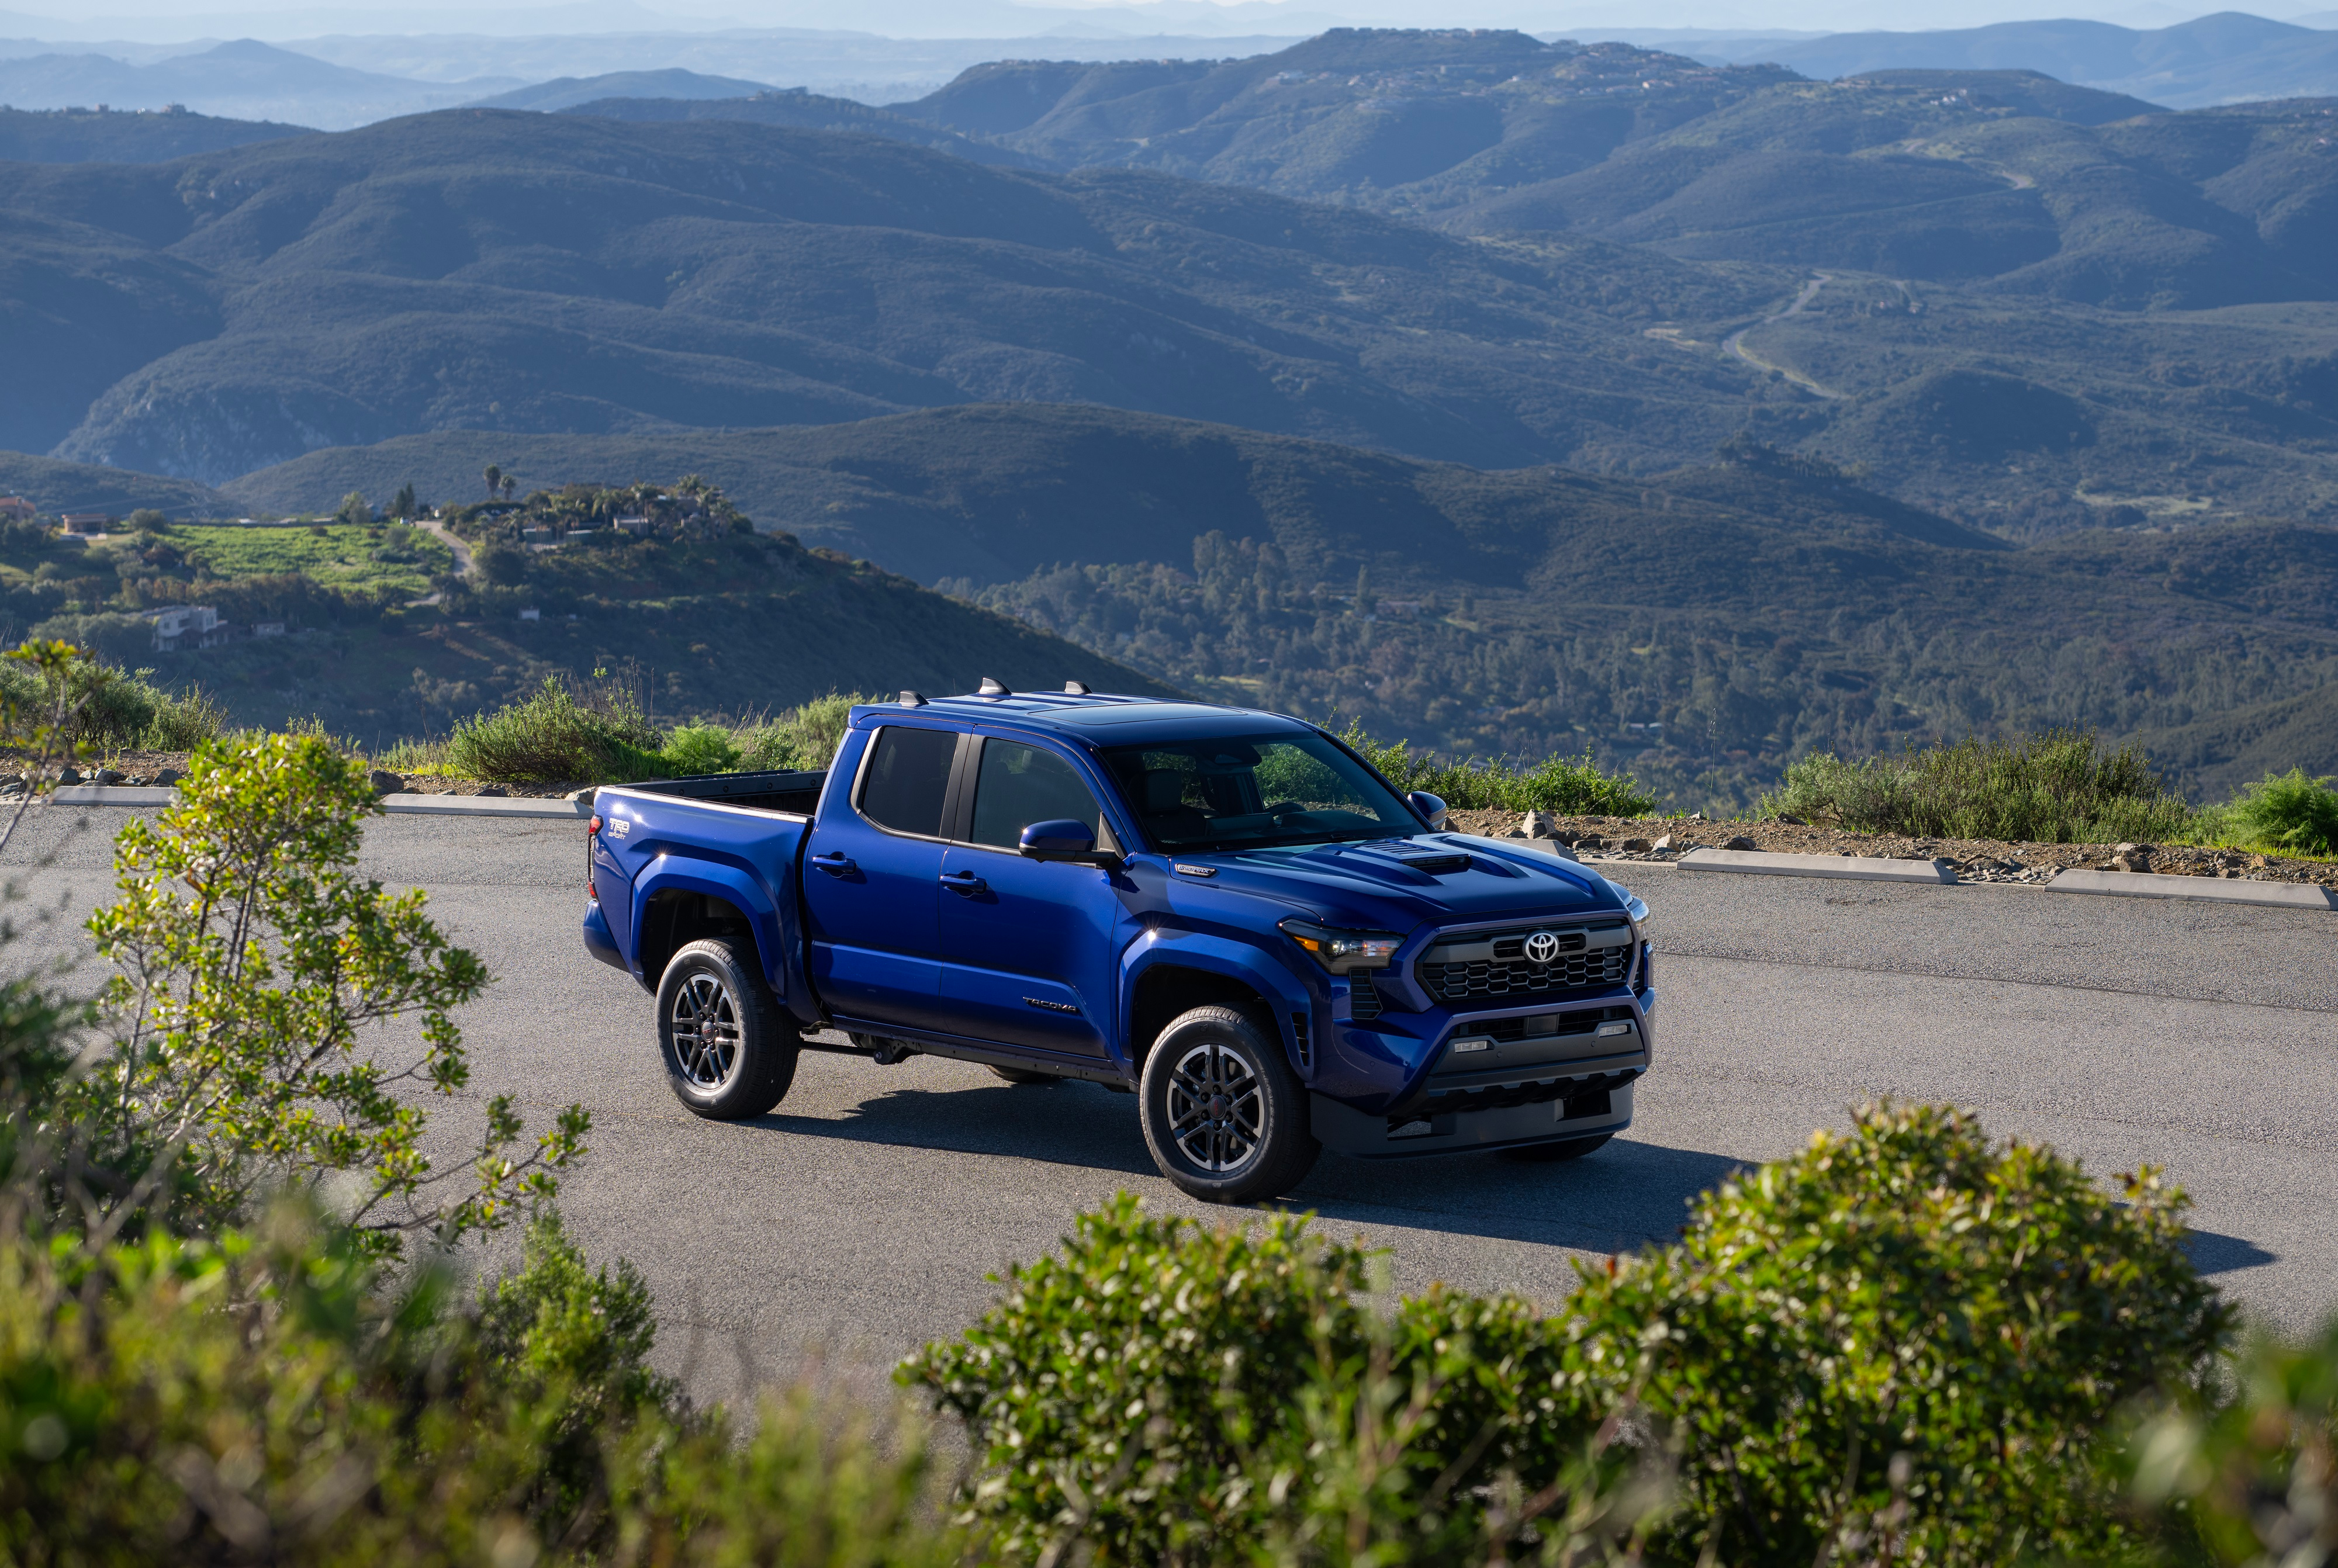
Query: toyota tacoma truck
[(1227, 913)]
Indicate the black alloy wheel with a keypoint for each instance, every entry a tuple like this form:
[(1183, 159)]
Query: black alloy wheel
[(728, 1055), (1223, 1116)]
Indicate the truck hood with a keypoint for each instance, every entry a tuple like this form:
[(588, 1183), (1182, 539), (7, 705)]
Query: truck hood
[(1401, 883)]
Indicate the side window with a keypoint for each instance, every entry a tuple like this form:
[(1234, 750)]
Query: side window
[(1019, 785), (907, 779)]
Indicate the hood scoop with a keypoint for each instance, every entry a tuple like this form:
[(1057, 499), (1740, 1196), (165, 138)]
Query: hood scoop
[(1435, 865)]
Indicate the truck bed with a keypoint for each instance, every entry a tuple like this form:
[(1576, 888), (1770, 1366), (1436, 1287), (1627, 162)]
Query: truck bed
[(797, 793)]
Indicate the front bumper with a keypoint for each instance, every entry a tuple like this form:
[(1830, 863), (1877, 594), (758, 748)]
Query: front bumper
[(1587, 1111)]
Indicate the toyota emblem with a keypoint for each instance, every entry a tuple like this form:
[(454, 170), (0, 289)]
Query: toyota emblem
[(1541, 947)]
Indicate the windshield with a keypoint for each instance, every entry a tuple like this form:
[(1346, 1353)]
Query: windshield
[(1254, 792)]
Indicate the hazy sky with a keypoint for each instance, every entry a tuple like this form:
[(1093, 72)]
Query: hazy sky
[(164, 20)]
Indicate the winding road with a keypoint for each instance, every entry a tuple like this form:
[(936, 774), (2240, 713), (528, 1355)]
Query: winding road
[(1735, 342)]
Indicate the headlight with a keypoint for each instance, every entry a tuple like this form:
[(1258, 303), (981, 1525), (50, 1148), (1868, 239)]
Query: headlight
[(1344, 952)]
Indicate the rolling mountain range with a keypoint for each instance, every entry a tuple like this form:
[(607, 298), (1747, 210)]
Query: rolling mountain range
[(2006, 179), (506, 270), (560, 273)]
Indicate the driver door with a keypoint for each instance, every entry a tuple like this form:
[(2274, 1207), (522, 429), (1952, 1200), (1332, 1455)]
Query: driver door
[(1030, 948)]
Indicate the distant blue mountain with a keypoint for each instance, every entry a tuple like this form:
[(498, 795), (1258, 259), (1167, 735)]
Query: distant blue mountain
[(2230, 57), (244, 80), (568, 92)]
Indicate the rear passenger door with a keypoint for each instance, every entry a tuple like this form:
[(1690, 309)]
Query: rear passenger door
[(871, 882), (1030, 948)]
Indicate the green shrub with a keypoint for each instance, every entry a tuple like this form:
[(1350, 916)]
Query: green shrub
[(1904, 1341), (551, 738), (2288, 812), (2058, 787), (2247, 1473), (802, 737), (112, 709), (254, 966), (268, 1397), (1903, 1335), (1168, 1393), (1566, 786), (699, 748)]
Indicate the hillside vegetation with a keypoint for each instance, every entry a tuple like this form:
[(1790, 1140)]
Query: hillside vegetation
[(709, 621), (1751, 611)]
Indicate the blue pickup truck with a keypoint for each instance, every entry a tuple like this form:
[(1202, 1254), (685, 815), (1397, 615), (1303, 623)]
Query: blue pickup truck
[(1227, 913)]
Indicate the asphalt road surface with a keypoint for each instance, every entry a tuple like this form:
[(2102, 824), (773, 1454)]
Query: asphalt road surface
[(860, 1218)]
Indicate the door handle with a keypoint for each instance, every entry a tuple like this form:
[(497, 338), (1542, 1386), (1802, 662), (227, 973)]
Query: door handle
[(965, 882), (834, 862)]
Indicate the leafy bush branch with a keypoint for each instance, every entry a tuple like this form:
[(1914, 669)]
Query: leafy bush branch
[(254, 970)]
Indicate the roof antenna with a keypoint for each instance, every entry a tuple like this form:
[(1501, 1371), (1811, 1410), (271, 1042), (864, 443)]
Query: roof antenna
[(1076, 688), (992, 687), (911, 700)]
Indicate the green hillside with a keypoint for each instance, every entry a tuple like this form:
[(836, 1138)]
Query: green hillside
[(721, 623), (1751, 611)]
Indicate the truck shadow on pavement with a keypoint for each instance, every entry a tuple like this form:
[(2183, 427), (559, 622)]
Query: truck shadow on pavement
[(2212, 1253), (1626, 1195)]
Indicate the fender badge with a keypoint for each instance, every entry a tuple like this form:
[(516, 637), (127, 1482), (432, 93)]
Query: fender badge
[(1197, 871), (616, 826), (1050, 1006)]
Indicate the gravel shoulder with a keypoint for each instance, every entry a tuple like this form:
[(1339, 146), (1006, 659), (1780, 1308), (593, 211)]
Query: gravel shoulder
[(1666, 839)]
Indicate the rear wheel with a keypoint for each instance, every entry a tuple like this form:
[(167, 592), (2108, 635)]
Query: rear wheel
[(1024, 1075), (1552, 1153), (1223, 1114), (728, 1055)]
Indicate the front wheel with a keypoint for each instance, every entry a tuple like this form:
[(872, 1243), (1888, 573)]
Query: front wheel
[(1223, 1115), (728, 1055)]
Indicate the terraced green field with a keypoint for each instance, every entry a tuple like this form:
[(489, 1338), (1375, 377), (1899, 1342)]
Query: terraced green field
[(337, 554)]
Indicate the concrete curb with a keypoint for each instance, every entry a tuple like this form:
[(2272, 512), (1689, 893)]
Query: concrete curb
[(2204, 889), (397, 804), (113, 795), (1845, 867), (485, 806)]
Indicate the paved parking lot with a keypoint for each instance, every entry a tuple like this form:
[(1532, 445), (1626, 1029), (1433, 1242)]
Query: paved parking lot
[(859, 1219)]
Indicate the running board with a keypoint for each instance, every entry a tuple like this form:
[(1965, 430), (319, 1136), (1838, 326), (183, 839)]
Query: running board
[(960, 1049)]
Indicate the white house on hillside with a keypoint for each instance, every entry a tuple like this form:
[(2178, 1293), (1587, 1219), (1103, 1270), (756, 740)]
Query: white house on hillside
[(186, 626)]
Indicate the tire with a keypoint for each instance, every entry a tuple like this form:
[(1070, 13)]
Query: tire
[(728, 1055), (1257, 1144), (1552, 1153), (1024, 1075)]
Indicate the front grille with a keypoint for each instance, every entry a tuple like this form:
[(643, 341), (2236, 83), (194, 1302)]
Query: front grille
[(1496, 965)]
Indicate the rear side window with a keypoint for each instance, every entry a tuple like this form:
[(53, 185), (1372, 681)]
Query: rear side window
[(1020, 784), (907, 779)]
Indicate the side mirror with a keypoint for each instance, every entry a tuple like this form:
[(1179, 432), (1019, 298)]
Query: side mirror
[(1430, 807), (1063, 839)]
